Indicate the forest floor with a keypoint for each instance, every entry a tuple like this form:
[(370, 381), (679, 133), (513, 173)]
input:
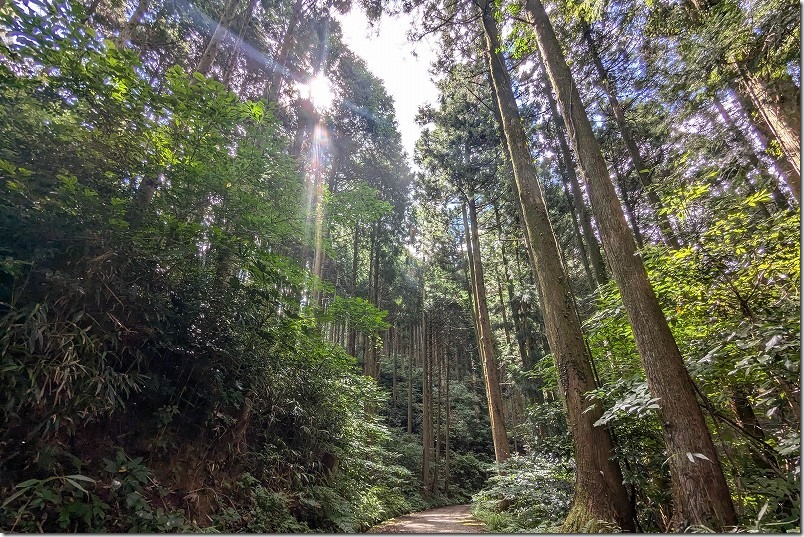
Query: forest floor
[(452, 519)]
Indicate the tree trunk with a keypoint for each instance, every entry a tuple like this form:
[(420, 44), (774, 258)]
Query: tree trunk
[(128, 28), (782, 115), (439, 363), (787, 171), (470, 278), (628, 205), (565, 158), (211, 51), (411, 346), (640, 167), (280, 68), (231, 64), (700, 493), (352, 340), (487, 352), (393, 350), (427, 406), (447, 418), (599, 491)]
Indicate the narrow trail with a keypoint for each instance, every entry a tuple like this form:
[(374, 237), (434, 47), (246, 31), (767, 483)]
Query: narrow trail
[(452, 519)]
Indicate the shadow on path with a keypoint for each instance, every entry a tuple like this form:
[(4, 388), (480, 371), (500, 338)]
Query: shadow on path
[(452, 519)]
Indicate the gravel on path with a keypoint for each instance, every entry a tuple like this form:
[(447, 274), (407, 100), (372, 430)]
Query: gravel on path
[(451, 519)]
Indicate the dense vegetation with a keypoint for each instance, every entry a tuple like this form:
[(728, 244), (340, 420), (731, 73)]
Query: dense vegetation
[(229, 305)]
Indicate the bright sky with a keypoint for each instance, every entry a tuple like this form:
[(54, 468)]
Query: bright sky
[(389, 56)]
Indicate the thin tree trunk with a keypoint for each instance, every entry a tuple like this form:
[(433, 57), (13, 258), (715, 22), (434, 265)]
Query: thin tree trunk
[(628, 205), (393, 350), (411, 346), (599, 491), (211, 50), (700, 492), (489, 360), (640, 167), (446, 433), (439, 363), (783, 167), (232, 63), (277, 76), (572, 203), (351, 344), (565, 158), (470, 278), (128, 28), (782, 115), (427, 406)]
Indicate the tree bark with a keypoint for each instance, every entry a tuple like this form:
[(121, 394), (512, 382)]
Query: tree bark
[(427, 406), (640, 167), (211, 50), (231, 64), (782, 115), (487, 352), (789, 174), (131, 24), (700, 492), (411, 346), (277, 76), (599, 491)]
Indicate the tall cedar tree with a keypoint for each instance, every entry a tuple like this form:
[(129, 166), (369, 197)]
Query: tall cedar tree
[(599, 490), (700, 493)]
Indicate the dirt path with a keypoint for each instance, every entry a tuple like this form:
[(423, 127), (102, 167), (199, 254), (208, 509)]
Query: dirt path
[(452, 519)]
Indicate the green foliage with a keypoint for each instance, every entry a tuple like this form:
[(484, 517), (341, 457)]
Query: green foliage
[(359, 312), (148, 283), (527, 494)]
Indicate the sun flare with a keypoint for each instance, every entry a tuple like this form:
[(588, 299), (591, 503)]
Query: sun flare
[(319, 91)]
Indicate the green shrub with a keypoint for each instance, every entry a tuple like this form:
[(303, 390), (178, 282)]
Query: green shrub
[(527, 494)]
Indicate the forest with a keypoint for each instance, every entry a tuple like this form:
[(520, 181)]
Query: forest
[(231, 301)]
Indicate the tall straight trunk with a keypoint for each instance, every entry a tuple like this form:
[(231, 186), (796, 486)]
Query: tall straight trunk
[(501, 298), (628, 205), (568, 169), (470, 278), (576, 228), (744, 146), (599, 491), (519, 328), (427, 405), (700, 493), (411, 346), (488, 356), (319, 209), (352, 340), (214, 43), (640, 167), (781, 113), (439, 362), (447, 419), (231, 64), (277, 77), (393, 350), (786, 171)]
